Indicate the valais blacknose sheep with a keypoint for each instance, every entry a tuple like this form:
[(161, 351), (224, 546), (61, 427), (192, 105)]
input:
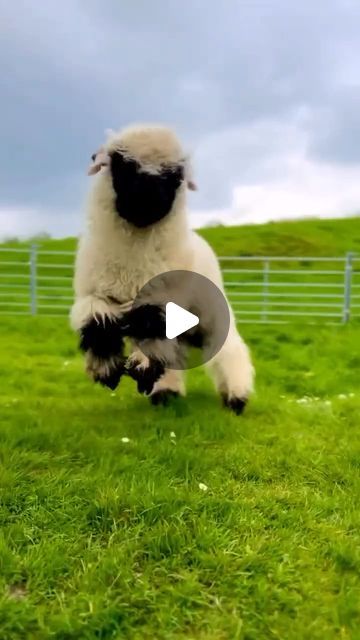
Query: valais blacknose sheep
[(137, 228)]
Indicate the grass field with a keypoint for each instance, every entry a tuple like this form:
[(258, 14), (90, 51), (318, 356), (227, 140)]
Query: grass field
[(107, 531), (120, 520)]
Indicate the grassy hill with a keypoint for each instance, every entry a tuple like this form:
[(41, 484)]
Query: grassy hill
[(300, 237)]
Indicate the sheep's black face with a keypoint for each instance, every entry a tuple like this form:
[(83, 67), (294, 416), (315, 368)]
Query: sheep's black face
[(143, 198)]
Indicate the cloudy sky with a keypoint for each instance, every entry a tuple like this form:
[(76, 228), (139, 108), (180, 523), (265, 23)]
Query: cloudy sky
[(265, 93)]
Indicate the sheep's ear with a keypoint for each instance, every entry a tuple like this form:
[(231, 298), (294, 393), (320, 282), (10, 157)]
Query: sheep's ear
[(93, 168), (109, 132), (188, 173), (99, 159)]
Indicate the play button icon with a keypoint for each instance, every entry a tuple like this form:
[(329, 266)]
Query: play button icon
[(178, 320), (181, 318)]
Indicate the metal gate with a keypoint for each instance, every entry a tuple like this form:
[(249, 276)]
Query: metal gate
[(260, 288)]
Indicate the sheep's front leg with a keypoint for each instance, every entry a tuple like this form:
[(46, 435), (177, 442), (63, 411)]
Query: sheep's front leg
[(98, 325), (170, 385), (154, 365), (103, 346), (144, 370), (145, 324), (153, 353)]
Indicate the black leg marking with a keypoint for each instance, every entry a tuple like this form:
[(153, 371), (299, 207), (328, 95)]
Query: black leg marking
[(103, 337), (193, 338), (237, 405), (106, 371), (163, 397), (144, 322), (112, 379), (102, 341), (145, 377)]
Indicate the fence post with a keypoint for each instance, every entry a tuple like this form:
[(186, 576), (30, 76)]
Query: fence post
[(33, 278), (266, 269), (347, 287)]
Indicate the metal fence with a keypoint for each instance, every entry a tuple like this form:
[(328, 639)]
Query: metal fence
[(260, 288)]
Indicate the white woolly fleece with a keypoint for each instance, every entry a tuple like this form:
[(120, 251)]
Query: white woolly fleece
[(115, 259)]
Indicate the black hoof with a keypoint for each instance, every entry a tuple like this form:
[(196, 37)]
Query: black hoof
[(146, 378), (237, 405), (163, 397), (112, 380)]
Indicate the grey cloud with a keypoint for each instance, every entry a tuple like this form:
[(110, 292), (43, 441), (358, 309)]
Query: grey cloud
[(336, 132), (213, 70)]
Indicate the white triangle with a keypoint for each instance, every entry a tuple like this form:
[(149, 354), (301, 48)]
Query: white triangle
[(178, 320)]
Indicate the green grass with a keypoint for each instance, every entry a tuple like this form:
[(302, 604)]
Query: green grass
[(109, 539), (103, 539)]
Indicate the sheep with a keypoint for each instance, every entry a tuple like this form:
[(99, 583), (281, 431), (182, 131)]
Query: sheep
[(137, 228)]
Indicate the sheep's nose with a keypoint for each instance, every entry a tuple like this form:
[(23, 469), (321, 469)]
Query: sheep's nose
[(93, 157)]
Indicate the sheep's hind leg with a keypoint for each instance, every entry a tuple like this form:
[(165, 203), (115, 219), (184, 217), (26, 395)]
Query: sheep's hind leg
[(233, 373)]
